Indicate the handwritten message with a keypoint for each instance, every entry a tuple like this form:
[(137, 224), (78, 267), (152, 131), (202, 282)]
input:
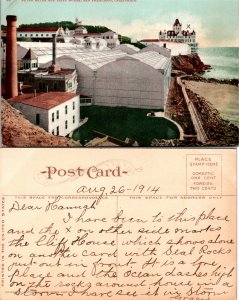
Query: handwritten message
[(103, 244)]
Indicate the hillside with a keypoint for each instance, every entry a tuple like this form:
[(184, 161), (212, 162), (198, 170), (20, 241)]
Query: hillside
[(19, 132), (70, 25)]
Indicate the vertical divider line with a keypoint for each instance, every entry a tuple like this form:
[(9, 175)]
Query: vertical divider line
[(186, 175), (221, 173), (117, 238)]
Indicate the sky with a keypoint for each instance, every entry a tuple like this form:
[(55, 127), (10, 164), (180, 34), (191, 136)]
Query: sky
[(215, 21)]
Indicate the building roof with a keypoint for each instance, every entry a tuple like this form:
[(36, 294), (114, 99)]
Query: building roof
[(128, 47), (108, 32), (88, 34), (171, 42), (38, 29), (158, 41), (157, 48), (95, 59), (84, 96), (43, 100), (150, 40), (153, 59), (176, 22), (43, 50), (46, 73), (30, 55)]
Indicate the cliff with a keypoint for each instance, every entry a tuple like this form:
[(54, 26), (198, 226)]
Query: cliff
[(189, 64), (19, 132)]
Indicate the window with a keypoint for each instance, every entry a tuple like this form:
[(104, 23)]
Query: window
[(73, 119), (37, 119), (31, 34), (73, 105), (66, 124), (20, 34), (52, 132), (57, 114), (53, 117), (47, 34), (66, 109), (26, 34), (57, 130)]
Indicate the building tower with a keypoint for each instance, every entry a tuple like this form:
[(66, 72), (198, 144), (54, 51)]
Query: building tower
[(11, 57), (177, 26)]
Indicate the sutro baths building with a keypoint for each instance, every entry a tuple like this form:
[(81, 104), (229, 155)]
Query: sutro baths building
[(114, 78)]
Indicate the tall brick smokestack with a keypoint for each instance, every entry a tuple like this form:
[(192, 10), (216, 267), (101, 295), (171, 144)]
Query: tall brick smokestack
[(54, 49), (11, 58)]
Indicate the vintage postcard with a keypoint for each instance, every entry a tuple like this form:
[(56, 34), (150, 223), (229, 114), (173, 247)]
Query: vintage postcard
[(107, 73), (113, 224)]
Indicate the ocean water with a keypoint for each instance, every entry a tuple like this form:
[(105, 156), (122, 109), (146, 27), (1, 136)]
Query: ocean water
[(224, 62), (225, 65)]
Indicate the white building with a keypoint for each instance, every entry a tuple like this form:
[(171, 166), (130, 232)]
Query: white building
[(30, 61), (80, 29), (155, 47), (127, 48), (41, 33), (111, 38), (177, 34), (176, 48), (56, 112), (95, 43), (114, 78)]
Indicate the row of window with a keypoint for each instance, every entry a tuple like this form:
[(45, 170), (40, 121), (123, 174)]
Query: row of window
[(56, 131), (85, 100), (28, 65), (66, 112), (36, 34), (107, 37)]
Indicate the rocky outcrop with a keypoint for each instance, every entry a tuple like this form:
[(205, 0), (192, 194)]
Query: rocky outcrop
[(213, 80), (19, 132), (189, 64)]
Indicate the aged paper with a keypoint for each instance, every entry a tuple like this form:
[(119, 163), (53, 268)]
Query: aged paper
[(116, 224)]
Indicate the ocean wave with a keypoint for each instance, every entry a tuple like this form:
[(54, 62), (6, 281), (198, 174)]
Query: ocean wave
[(220, 61), (224, 62)]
